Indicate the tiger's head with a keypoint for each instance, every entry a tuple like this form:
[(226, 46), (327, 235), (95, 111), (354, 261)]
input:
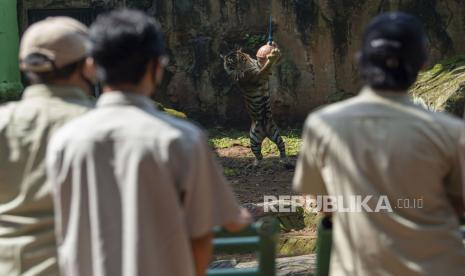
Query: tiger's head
[(237, 63)]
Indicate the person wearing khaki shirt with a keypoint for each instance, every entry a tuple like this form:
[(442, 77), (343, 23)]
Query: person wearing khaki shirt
[(137, 192), (378, 144), (52, 57)]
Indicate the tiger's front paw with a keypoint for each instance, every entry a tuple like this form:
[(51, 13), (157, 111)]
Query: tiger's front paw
[(274, 55)]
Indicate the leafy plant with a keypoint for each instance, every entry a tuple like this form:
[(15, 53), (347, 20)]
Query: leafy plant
[(254, 41)]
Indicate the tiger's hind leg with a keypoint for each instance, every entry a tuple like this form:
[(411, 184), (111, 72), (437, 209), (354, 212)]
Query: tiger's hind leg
[(257, 135), (273, 134)]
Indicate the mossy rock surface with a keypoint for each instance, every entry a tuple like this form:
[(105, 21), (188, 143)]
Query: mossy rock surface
[(296, 245), (175, 113), (442, 87)]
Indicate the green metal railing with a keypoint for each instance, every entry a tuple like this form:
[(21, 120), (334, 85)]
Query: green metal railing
[(10, 82), (323, 246), (259, 237)]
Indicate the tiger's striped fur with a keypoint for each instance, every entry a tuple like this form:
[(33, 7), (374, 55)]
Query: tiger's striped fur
[(253, 81)]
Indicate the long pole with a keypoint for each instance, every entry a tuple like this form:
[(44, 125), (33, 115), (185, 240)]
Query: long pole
[(270, 32), (10, 81)]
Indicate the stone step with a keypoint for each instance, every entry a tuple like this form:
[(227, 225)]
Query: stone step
[(289, 266)]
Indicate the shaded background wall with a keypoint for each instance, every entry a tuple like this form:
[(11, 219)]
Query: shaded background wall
[(318, 38)]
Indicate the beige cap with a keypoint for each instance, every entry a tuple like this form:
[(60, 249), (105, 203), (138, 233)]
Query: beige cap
[(62, 40)]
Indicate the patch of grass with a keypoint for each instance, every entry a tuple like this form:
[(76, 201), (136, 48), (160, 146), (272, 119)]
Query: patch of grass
[(227, 142), (293, 141), (221, 139), (230, 172)]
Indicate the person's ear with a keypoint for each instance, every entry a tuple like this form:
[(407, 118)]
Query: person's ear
[(159, 69), (90, 69)]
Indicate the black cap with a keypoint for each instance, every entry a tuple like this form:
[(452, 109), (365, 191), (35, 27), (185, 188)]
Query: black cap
[(123, 43), (394, 43)]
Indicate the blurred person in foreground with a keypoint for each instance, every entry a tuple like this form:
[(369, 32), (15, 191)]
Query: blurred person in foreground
[(53, 59), (137, 192), (381, 147)]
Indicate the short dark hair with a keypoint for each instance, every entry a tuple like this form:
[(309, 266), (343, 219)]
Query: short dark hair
[(49, 77), (393, 51), (123, 44)]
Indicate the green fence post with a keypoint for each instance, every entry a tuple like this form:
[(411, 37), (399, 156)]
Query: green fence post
[(267, 248), (323, 246), (10, 81)]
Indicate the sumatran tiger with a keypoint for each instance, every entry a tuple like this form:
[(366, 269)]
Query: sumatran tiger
[(252, 78)]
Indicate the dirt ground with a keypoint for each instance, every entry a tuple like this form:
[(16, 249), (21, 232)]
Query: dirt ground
[(250, 184), (271, 177)]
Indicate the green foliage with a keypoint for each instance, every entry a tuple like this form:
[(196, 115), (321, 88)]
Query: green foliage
[(311, 219), (292, 221), (254, 41), (442, 87)]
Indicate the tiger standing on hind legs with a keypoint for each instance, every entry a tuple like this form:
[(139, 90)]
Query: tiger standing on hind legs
[(252, 76)]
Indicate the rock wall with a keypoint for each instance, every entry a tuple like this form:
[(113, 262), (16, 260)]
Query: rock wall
[(26, 7), (318, 38)]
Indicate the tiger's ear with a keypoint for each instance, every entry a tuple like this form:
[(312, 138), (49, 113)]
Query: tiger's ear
[(222, 56)]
